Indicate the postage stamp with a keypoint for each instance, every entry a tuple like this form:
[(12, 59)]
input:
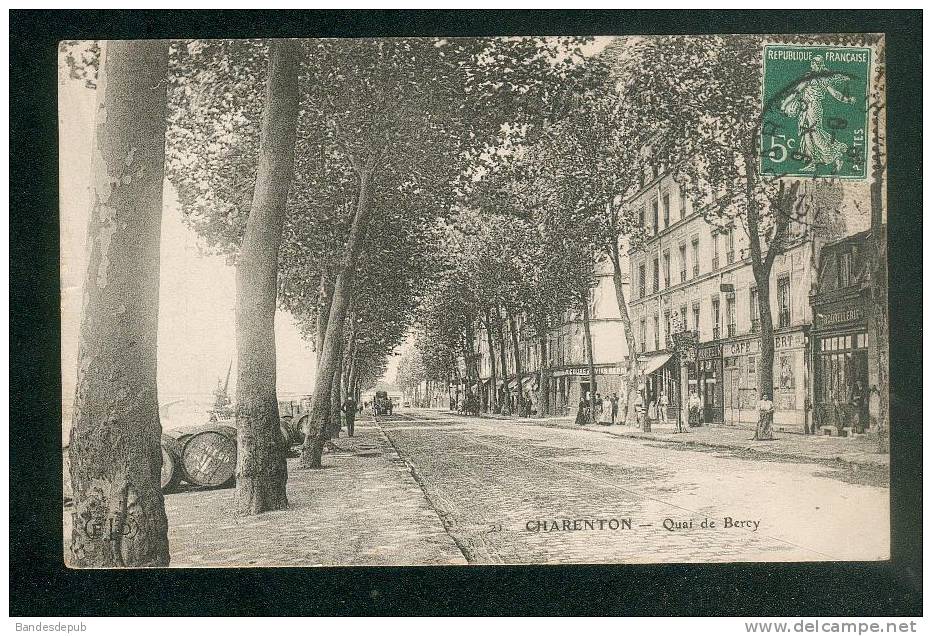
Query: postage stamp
[(815, 107)]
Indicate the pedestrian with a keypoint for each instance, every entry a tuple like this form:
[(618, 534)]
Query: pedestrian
[(614, 401), (349, 410), (662, 408), (857, 404), (605, 412), (639, 409), (652, 411), (694, 405), (582, 417)]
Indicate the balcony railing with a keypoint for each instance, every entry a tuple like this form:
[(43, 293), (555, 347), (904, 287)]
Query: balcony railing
[(715, 263), (732, 330), (755, 325), (730, 257), (682, 275), (695, 270), (716, 333)]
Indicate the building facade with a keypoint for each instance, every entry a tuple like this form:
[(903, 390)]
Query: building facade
[(845, 360), (567, 361), (690, 274)]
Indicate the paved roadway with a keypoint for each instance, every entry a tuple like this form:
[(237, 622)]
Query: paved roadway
[(511, 492)]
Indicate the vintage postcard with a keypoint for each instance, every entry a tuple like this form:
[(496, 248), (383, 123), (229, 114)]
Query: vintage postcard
[(498, 300)]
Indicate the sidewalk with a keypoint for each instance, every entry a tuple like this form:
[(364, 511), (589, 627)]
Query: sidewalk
[(363, 508), (861, 450)]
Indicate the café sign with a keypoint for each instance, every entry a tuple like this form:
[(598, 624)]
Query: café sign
[(751, 346)]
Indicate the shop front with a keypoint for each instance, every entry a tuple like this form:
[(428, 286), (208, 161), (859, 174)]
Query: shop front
[(840, 366), (569, 384), (706, 379), (659, 382), (741, 360)]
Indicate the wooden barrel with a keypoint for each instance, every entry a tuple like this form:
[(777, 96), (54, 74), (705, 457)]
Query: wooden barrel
[(171, 459), (208, 456)]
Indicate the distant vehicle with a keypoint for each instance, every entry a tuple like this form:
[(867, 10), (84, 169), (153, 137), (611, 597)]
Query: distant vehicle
[(382, 404)]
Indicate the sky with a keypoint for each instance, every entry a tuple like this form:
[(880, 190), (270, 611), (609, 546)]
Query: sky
[(196, 318)]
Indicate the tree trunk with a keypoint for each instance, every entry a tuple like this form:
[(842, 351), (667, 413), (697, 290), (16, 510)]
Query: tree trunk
[(500, 332), (493, 393), (115, 454), (584, 301), (762, 264), (630, 415), (519, 370), (879, 286), (474, 361), (323, 313), (312, 450), (261, 469), (544, 401), (336, 400)]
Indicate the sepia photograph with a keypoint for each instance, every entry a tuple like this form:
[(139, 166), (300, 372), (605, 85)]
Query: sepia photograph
[(416, 301)]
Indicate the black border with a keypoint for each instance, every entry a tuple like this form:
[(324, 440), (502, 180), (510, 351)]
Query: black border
[(41, 586)]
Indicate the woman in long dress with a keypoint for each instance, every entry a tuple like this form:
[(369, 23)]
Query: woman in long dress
[(605, 414)]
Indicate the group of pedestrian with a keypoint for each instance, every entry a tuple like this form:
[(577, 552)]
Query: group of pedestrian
[(605, 413)]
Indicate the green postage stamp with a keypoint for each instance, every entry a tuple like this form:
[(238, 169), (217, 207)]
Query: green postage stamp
[(815, 111)]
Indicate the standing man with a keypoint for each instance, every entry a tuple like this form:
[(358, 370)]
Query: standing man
[(614, 401), (349, 410)]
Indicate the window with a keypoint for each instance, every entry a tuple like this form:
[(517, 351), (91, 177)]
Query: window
[(656, 275), (641, 216), (655, 215), (682, 201), (642, 281), (683, 262), (754, 311), (666, 268), (783, 300), (668, 325), (695, 318), (715, 250), (730, 314), (844, 269), (695, 257), (730, 247), (643, 335), (751, 381), (684, 318), (716, 318), (666, 209), (656, 333)]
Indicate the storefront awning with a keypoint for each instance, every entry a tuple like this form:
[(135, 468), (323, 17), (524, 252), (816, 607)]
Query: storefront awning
[(655, 362)]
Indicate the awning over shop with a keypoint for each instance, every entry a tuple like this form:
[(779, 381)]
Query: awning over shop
[(654, 362)]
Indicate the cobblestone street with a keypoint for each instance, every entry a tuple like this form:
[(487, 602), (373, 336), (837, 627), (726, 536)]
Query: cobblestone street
[(513, 492)]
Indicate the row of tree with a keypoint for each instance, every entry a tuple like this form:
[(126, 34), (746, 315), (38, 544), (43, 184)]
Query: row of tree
[(560, 204), (323, 169), (365, 184)]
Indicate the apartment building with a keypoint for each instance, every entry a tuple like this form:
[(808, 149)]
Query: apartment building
[(691, 274), (567, 361)]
